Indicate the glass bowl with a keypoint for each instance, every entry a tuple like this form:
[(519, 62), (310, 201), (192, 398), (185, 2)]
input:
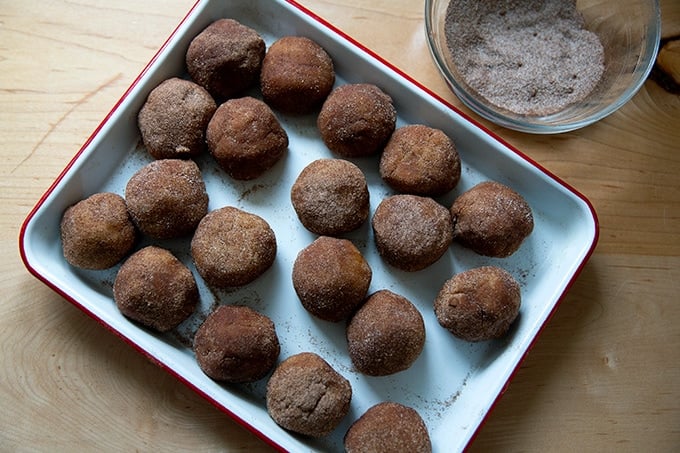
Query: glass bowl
[(629, 31)]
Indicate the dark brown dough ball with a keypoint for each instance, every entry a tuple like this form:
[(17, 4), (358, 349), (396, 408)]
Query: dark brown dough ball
[(420, 160), (478, 304), (330, 197), (411, 232), (297, 75), (386, 335), (357, 120), (245, 138), (97, 232), (236, 345), (331, 278), (388, 428), (226, 57), (232, 247), (173, 119), (155, 289), (491, 219), (167, 198), (307, 396)]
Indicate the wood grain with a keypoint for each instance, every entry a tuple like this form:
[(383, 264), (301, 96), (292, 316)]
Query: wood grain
[(603, 376)]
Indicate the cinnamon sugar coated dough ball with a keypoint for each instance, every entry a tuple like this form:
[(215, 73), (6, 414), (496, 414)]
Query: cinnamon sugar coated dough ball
[(245, 138), (330, 197), (236, 345), (297, 75), (225, 58), (173, 119), (420, 160), (97, 232), (386, 335), (232, 247), (478, 304), (357, 120), (331, 278), (388, 428), (155, 289), (307, 396), (167, 198), (411, 232), (491, 219)]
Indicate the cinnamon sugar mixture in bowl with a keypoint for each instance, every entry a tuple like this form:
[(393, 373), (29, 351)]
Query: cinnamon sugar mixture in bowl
[(543, 66)]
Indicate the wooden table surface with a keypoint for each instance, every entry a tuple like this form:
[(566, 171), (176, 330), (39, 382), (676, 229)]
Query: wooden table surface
[(604, 375)]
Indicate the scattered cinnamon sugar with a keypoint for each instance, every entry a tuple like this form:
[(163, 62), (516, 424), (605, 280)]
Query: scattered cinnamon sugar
[(532, 57)]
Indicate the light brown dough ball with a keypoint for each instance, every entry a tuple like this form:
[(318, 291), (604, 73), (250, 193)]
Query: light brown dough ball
[(225, 58), (155, 289), (386, 334), (330, 197), (97, 232), (357, 120), (491, 219), (245, 138), (388, 428), (331, 278), (173, 119), (420, 160), (297, 75), (478, 304), (232, 247), (167, 198), (236, 344), (307, 396), (411, 232)]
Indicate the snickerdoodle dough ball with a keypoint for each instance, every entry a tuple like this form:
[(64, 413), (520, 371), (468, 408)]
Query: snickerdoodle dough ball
[(225, 58), (357, 120), (97, 232), (388, 427), (306, 395), (330, 197), (420, 160), (297, 75), (173, 119), (155, 289), (491, 219), (478, 304), (386, 334), (236, 344), (167, 198), (245, 138), (411, 232), (331, 278), (232, 247)]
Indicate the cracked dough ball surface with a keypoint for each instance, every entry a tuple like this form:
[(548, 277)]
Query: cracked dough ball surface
[(167, 198), (491, 219), (236, 344), (155, 289), (173, 119), (388, 428), (420, 160), (307, 396), (225, 58), (385, 335), (411, 232), (297, 75), (232, 247), (97, 232), (330, 197), (478, 304), (357, 120)]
